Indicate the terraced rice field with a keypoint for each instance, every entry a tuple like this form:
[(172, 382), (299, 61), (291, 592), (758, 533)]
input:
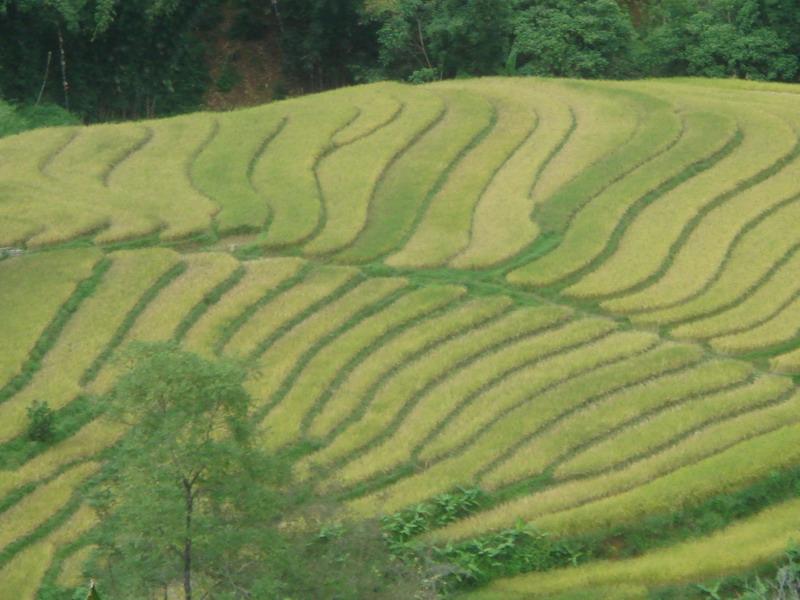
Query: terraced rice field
[(582, 297)]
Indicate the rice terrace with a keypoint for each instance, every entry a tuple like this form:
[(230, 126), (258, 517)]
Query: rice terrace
[(578, 300)]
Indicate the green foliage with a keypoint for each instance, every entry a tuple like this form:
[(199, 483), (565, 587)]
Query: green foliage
[(325, 41), (279, 90), (93, 595), (251, 20), (424, 75), (422, 41), (400, 527), (749, 39), (520, 549), (54, 592), (572, 39), (16, 119), (186, 494), (451, 506), (40, 422), (67, 421), (189, 481), (123, 59), (722, 38), (144, 57), (351, 563)]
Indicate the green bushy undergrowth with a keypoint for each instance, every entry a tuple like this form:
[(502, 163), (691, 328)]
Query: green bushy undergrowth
[(519, 549), (16, 119), (523, 548), (40, 422)]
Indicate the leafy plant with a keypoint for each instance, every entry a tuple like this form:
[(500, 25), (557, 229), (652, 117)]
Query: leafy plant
[(402, 526), (41, 422), (332, 531), (458, 504), (711, 590)]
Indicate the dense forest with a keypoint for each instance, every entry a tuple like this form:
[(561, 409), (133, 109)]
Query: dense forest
[(486, 339), (107, 59)]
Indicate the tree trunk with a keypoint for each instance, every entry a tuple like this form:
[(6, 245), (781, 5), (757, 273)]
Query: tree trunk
[(64, 82), (44, 79), (422, 45), (187, 544), (277, 15)]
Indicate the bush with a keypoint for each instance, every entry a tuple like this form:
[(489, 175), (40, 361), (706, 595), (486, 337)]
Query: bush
[(21, 118), (568, 39), (41, 421)]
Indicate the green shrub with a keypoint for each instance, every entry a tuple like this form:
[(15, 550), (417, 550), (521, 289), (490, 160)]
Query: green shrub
[(16, 119), (41, 421), (400, 527)]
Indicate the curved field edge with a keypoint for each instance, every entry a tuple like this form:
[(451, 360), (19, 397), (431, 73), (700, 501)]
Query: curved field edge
[(738, 548)]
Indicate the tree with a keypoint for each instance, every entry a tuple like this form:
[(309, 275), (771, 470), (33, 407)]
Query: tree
[(747, 39), (325, 42), (110, 59), (572, 39), (434, 39), (187, 495)]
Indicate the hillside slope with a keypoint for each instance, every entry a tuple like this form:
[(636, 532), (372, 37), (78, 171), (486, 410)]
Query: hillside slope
[(582, 296)]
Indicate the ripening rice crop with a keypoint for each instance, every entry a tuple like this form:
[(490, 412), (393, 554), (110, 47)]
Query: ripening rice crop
[(22, 575), (287, 305), (35, 508), (405, 187), (260, 278), (36, 286), (223, 170), (765, 140), (350, 175), (87, 333), (519, 284), (282, 423), (320, 374), (445, 228), (156, 177)]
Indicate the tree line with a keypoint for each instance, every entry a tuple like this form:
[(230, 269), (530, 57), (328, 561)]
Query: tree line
[(108, 59), (421, 40)]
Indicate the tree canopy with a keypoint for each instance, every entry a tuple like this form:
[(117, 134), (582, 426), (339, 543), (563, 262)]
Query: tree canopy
[(152, 57), (188, 497)]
